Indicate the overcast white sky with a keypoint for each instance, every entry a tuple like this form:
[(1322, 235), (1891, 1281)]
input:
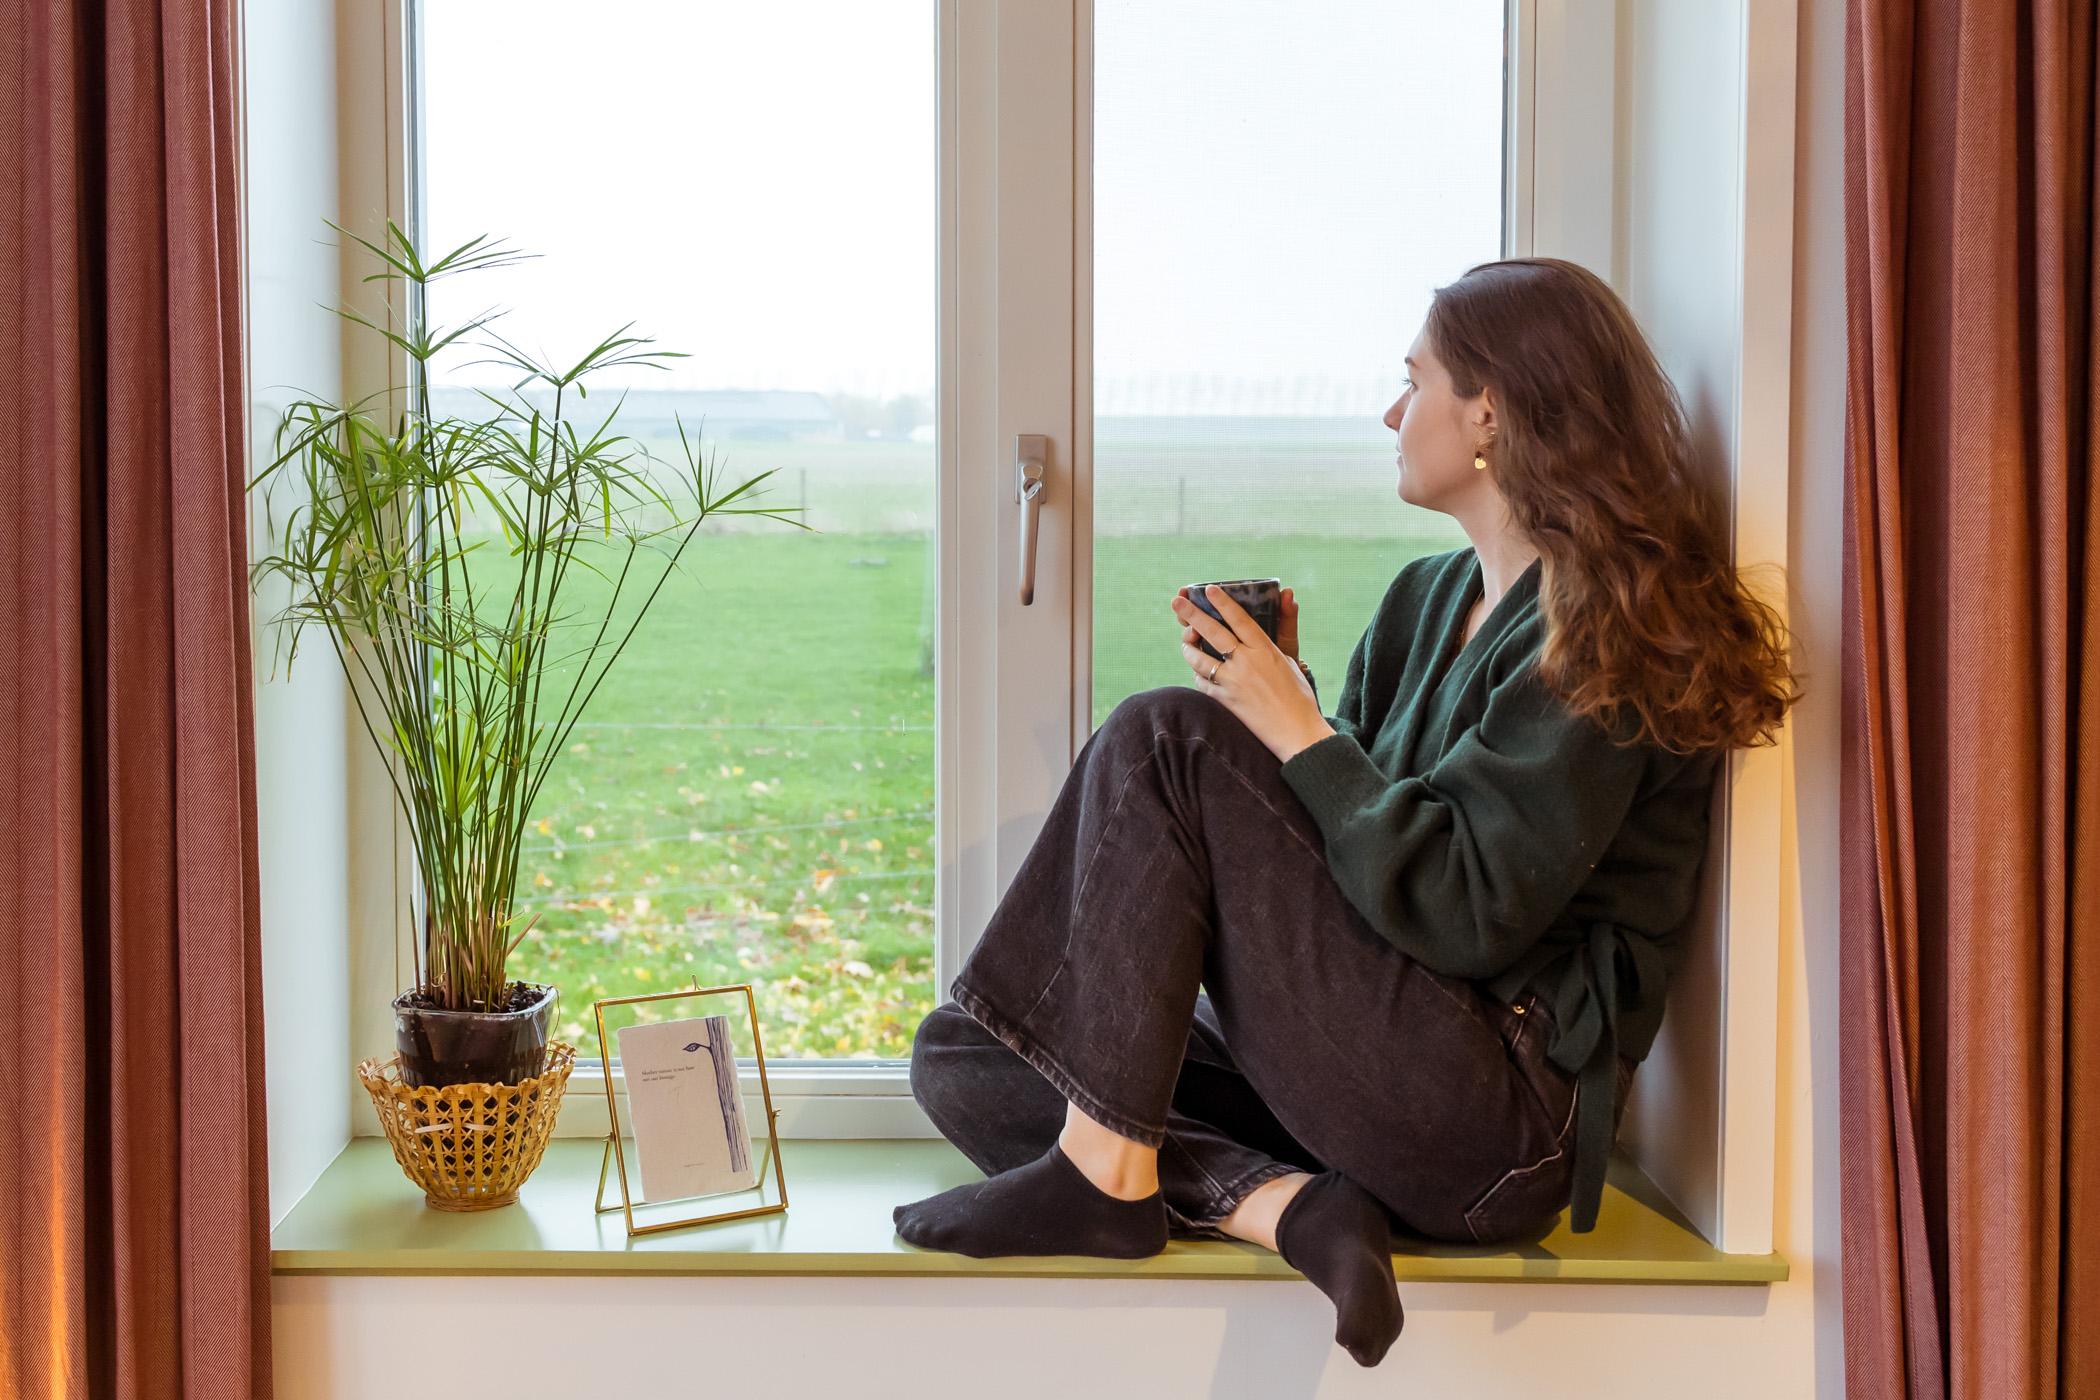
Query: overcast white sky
[(1278, 184)]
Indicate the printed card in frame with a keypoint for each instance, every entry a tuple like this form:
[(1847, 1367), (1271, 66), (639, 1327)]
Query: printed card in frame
[(615, 1150)]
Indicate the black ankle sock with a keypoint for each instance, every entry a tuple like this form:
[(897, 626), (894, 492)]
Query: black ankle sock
[(1045, 1207), (1337, 1234)]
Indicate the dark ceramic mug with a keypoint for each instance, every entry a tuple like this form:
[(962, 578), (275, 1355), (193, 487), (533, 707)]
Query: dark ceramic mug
[(1261, 597)]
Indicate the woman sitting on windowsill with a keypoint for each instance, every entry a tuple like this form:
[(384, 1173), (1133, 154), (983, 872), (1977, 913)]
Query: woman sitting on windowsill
[(1295, 978)]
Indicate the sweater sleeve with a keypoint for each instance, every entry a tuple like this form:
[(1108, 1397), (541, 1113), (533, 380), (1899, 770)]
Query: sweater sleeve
[(1465, 866)]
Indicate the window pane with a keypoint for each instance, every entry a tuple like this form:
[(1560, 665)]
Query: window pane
[(1277, 188), (750, 795)]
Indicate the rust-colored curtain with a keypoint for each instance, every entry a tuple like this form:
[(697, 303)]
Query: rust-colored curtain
[(1970, 873), (134, 1221)]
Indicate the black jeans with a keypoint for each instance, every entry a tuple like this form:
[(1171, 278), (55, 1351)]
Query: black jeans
[(1175, 958)]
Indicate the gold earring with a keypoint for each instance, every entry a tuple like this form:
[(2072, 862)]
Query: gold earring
[(1480, 463)]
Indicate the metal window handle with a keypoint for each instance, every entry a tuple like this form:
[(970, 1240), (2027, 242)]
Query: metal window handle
[(1030, 452)]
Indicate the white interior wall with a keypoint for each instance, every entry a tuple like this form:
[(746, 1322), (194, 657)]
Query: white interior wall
[(1806, 1203), (1028, 1339), (1043, 1337), (295, 348), (1704, 96)]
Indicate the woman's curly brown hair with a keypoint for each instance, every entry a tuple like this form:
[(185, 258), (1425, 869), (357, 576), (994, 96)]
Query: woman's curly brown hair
[(1648, 627)]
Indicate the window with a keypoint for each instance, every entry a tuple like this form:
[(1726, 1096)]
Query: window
[(752, 795)]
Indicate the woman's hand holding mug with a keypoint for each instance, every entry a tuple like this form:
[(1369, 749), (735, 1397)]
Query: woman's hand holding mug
[(1261, 682)]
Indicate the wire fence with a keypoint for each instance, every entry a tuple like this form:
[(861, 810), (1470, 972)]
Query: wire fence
[(694, 835), (588, 897), (704, 725)]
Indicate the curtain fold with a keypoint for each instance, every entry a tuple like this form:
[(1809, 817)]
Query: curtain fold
[(1969, 1088), (134, 1247)]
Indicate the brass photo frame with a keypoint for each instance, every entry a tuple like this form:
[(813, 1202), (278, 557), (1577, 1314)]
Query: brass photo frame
[(615, 1154)]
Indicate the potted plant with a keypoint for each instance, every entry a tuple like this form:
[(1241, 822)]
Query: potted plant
[(438, 556)]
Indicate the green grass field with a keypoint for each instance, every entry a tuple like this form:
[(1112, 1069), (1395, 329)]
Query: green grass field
[(750, 796)]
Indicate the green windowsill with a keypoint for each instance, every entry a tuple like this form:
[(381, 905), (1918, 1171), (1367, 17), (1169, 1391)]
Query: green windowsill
[(365, 1217)]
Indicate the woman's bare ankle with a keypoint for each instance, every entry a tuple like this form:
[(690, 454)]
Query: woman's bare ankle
[(1121, 1166), (1254, 1218)]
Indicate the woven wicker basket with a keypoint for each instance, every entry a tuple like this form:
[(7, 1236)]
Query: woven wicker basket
[(469, 1146)]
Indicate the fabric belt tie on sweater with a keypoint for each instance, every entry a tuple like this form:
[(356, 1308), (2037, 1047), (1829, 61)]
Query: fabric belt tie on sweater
[(1588, 1041), (1591, 1042)]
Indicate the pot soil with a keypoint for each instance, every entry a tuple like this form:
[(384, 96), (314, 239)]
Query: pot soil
[(505, 1046)]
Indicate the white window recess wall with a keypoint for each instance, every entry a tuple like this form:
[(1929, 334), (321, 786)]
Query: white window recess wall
[(1671, 177), (1661, 155)]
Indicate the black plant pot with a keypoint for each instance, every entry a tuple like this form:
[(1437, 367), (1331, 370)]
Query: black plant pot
[(473, 1047)]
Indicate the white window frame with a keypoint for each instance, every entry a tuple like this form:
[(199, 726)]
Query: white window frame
[(1565, 194)]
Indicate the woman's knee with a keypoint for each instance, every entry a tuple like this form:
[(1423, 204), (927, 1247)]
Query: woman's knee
[(939, 1048), (1161, 703)]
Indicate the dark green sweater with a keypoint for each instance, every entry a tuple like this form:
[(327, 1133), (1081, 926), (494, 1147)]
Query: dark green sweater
[(1492, 835)]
